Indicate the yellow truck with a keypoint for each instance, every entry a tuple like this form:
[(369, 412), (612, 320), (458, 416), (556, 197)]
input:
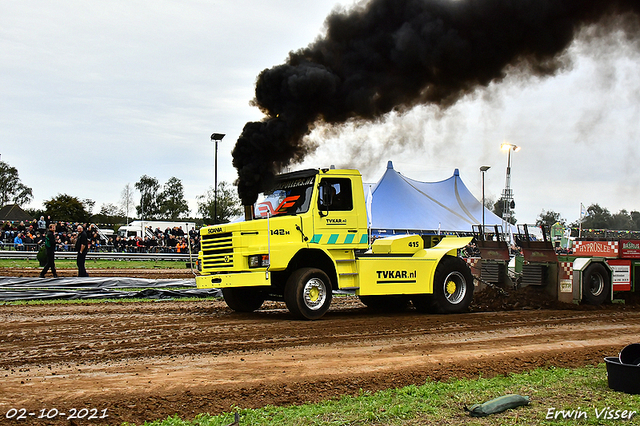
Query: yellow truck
[(308, 236)]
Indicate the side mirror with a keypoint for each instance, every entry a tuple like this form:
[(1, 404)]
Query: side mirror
[(325, 199), (326, 195)]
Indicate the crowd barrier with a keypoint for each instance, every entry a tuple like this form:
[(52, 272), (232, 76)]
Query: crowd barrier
[(31, 255), (5, 246)]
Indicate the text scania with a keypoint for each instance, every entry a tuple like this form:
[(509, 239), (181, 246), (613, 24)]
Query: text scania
[(395, 274), (214, 230)]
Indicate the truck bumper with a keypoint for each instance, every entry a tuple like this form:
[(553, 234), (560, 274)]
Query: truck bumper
[(239, 279)]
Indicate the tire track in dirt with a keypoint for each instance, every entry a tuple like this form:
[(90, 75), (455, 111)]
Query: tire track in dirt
[(145, 361)]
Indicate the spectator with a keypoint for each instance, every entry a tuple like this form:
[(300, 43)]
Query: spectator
[(39, 239), (18, 244), (50, 244), (139, 245), (172, 243), (66, 237), (118, 246), (28, 241), (42, 225), (82, 247)]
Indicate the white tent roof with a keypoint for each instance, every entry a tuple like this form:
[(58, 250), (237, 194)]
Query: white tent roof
[(403, 204)]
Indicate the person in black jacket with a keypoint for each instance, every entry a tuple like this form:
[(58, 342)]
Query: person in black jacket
[(50, 244), (82, 247)]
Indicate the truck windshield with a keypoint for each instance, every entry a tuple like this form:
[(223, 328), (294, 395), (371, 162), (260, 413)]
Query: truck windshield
[(289, 197)]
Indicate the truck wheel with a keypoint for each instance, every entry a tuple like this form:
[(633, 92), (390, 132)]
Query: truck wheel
[(385, 303), (308, 293), (596, 284), (452, 286), (243, 299)]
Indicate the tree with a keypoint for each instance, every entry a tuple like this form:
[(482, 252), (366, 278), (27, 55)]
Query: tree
[(109, 214), (548, 219), (12, 191), (126, 200), (621, 221), (110, 210), (498, 209), (36, 212), (172, 202), (635, 220), (228, 204), (88, 204), (597, 218), (68, 208), (149, 189), (489, 202)]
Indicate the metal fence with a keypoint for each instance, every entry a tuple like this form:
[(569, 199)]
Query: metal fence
[(23, 254)]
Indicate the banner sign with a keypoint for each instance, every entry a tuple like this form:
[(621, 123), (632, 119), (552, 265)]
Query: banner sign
[(630, 249), (596, 248), (621, 277)]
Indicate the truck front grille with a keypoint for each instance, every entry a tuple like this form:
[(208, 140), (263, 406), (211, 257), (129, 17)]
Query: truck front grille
[(217, 251)]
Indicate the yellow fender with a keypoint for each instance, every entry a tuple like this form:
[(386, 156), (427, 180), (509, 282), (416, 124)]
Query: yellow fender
[(448, 245)]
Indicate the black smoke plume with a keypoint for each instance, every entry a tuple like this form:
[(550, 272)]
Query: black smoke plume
[(389, 55)]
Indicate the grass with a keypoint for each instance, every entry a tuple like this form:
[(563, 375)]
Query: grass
[(443, 403), (98, 264)]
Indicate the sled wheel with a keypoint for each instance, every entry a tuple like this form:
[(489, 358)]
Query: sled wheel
[(385, 303), (596, 284), (242, 299), (452, 286), (308, 293)]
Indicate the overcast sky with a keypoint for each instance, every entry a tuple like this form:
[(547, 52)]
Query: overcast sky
[(93, 95)]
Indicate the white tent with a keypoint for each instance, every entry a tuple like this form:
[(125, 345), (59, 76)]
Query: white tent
[(400, 204)]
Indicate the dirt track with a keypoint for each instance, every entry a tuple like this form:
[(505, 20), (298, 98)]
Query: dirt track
[(146, 361)]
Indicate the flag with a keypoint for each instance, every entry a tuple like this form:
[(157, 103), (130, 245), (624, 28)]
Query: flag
[(368, 202), (583, 211)]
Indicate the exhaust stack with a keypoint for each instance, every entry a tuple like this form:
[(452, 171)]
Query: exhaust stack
[(248, 213)]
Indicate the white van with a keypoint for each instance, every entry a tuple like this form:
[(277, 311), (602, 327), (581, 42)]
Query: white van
[(142, 228)]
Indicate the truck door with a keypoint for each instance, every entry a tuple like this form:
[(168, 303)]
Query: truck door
[(336, 224)]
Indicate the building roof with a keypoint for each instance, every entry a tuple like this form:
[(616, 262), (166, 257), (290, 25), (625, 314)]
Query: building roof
[(13, 213)]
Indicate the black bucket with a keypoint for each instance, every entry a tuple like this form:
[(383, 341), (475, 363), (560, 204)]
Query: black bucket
[(623, 377), (630, 354)]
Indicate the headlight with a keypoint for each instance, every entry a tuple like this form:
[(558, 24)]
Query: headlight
[(259, 261)]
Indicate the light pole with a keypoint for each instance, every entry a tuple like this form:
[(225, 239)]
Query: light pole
[(216, 137), (482, 170), (507, 195)]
